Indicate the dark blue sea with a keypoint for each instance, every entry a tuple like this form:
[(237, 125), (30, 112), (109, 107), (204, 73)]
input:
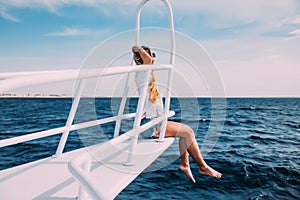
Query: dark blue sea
[(257, 149)]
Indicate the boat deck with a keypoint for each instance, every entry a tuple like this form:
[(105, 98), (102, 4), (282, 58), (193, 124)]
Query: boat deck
[(50, 178)]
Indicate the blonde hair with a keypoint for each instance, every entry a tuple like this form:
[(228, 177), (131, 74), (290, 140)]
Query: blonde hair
[(152, 89)]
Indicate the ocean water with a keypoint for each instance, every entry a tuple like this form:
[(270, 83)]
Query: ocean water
[(257, 150)]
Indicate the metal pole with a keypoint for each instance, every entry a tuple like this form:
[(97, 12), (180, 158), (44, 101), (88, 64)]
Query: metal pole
[(138, 21), (167, 107), (70, 119), (138, 117), (170, 73), (171, 24), (122, 106)]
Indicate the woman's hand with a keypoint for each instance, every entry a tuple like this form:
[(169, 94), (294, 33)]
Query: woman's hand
[(147, 59), (136, 48)]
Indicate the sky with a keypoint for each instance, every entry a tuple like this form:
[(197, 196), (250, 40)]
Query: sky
[(254, 44)]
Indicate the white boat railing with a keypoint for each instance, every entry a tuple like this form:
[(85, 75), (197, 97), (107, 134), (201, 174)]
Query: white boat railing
[(12, 82), (55, 131), (82, 175), (80, 167)]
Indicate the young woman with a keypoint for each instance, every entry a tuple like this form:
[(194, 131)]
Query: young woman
[(187, 141)]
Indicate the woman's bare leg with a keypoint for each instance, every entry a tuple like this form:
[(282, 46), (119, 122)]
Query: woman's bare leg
[(184, 157), (190, 145), (203, 167)]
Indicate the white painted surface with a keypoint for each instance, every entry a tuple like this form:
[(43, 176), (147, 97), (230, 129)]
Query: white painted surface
[(50, 178)]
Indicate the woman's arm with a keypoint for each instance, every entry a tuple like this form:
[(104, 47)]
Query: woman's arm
[(147, 59)]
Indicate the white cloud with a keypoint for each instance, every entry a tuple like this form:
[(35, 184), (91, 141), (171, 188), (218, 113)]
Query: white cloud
[(273, 75), (291, 20), (265, 14), (295, 34), (7, 16), (247, 8), (228, 13), (257, 66), (251, 63), (52, 5), (69, 32)]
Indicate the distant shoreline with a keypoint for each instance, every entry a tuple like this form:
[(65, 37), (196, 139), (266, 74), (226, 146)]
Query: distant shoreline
[(32, 96), (35, 96)]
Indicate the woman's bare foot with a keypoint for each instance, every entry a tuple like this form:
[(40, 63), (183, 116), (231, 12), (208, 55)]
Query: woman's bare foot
[(207, 170), (187, 171)]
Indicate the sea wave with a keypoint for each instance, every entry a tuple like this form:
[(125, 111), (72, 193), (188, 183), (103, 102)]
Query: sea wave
[(257, 150)]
